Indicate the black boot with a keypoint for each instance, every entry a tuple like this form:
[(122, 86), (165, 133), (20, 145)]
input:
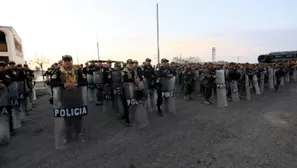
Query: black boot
[(160, 112)]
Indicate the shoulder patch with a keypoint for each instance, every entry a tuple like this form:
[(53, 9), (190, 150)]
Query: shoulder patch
[(54, 76), (123, 73), (84, 76)]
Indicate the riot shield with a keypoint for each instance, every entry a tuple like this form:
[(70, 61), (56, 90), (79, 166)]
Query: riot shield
[(168, 95), (70, 115), (197, 75), (152, 97), (118, 101), (116, 77), (13, 95), (234, 91), (22, 92), (4, 117), (294, 74), (262, 80), (247, 88), (137, 112), (287, 78), (221, 89), (91, 87), (282, 82), (98, 81), (270, 79), (256, 85), (107, 98)]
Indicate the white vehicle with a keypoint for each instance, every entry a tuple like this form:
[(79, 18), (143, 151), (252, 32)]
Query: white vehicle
[(11, 48)]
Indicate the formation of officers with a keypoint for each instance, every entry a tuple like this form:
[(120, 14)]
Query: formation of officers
[(16, 85), (188, 77), (115, 79), (131, 87)]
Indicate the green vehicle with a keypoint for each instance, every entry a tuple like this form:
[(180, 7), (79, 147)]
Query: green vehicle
[(284, 56)]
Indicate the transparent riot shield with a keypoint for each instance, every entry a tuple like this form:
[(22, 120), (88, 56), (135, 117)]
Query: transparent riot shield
[(282, 82), (294, 74), (107, 99), (4, 117), (247, 88), (13, 95), (118, 100), (197, 75), (168, 95), (70, 116), (116, 77), (98, 81), (256, 85), (262, 80), (22, 92), (234, 91), (151, 102), (270, 79), (91, 88), (137, 114), (287, 78), (221, 89)]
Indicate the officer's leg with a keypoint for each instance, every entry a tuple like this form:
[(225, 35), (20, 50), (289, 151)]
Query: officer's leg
[(159, 102), (126, 112), (191, 90), (186, 92), (278, 80), (9, 109)]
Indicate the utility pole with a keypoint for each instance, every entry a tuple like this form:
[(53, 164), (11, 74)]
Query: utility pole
[(237, 59), (180, 60), (98, 50), (77, 57), (213, 52), (158, 40)]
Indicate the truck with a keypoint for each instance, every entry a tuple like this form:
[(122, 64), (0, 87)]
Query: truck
[(11, 48)]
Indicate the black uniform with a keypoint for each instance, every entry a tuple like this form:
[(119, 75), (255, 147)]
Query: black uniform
[(149, 74), (6, 81), (128, 76), (162, 72)]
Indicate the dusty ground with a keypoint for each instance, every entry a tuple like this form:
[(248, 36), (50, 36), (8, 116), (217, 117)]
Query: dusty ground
[(248, 134)]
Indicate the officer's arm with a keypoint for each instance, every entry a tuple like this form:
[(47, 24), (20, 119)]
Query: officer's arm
[(173, 72), (46, 73), (7, 80), (32, 74), (125, 77), (12, 76), (82, 79), (55, 80), (140, 74), (160, 73)]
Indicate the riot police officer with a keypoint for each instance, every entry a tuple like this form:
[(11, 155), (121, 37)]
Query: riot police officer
[(188, 83), (164, 71), (4, 103), (129, 77), (67, 77)]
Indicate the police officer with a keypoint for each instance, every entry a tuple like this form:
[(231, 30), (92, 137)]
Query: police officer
[(68, 77), (189, 82), (129, 76), (4, 82), (163, 71), (208, 78), (149, 73), (30, 76), (107, 74)]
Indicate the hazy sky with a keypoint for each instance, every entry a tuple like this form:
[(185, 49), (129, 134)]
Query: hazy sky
[(127, 28)]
